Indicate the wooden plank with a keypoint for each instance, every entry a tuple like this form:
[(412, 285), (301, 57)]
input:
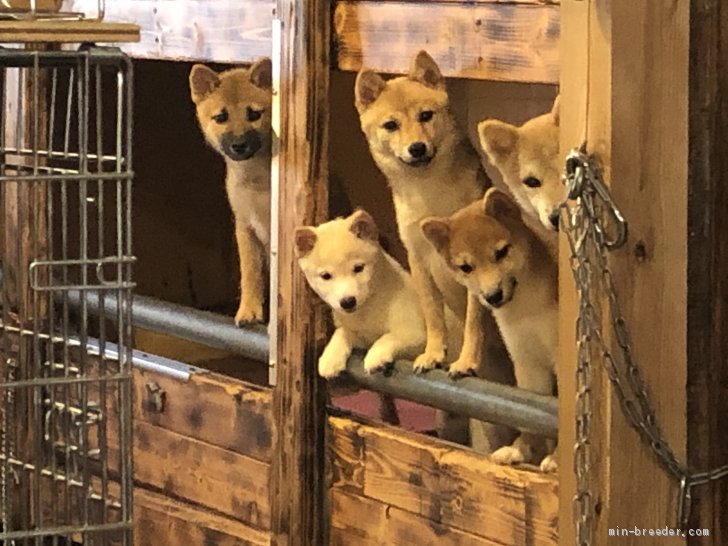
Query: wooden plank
[(199, 30), (493, 41), (361, 521), (707, 323), (574, 90), (202, 474), (300, 182), (636, 121), (66, 32), (215, 409), (443, 483), (162, 521)]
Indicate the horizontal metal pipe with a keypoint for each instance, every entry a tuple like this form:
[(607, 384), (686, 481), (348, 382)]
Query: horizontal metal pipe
[(470, 396), (203, 327)]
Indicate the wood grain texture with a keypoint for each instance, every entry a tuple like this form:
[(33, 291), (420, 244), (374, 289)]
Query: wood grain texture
[(635, 119), (364, 522), (217, 410), (439, 483), (201, 30), (162, 521), (707, 322), (301, 117), (493, 41), (67, 32)]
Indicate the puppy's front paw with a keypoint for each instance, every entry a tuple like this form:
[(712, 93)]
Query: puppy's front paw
[(249, 312), (549, 464), (429, 360), (330, 364), (508, 455), (377, 360), (462, 367)]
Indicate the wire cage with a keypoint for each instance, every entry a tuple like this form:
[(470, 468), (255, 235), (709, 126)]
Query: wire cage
[(65, 227)]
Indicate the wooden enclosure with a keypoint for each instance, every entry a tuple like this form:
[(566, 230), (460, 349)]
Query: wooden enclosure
[(223, 458)]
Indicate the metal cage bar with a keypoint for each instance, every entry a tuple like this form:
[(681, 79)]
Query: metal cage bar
[(65, 224)]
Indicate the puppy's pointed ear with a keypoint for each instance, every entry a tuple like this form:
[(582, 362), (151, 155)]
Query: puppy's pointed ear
[(261, 73), (305, 241), (203, 81), (499, 205), (556, 110), (437, 231), (424, 69), (498, 139), (369, 85), (363, 226)]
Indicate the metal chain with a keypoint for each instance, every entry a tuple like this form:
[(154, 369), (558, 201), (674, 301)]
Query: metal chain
[(587, 218)]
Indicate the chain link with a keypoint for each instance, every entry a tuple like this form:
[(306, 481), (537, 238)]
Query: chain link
[(594, 225)]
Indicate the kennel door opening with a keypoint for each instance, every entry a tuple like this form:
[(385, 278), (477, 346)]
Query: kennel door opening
[(65, 226)]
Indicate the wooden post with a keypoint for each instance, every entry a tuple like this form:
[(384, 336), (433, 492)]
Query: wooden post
[(625, 90), (297, 475), (707, 323)]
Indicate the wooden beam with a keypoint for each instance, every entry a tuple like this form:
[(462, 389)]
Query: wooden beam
[(450, 487), (635, 120), (66, 32), (707, 321), (480, 40), (163, 521), (301, 119)]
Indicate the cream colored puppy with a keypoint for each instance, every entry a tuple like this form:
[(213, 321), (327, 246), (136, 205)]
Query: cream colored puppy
[(373, 300), (507, 269)]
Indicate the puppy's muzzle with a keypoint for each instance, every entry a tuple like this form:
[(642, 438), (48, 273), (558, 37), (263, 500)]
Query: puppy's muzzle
[(348, 304), (418, 154), (241, 147)]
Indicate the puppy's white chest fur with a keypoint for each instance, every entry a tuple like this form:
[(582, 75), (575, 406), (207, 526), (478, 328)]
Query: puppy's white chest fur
[(248, 190)]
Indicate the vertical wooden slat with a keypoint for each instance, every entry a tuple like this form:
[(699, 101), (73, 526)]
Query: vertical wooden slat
[(297, 488), (635, 120), (707, 336)]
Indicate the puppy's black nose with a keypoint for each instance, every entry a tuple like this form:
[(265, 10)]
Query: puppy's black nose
[(495, 298), (239, 147), (417, 149), (348, 304), (554, 218)]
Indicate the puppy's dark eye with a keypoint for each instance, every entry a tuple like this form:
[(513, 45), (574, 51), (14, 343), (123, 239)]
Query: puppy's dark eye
[(325, 275), (254, 115), (425, 116), (358, 268), (502, 253), (391, 125), (466, 268), (532, 182), (221, 117)]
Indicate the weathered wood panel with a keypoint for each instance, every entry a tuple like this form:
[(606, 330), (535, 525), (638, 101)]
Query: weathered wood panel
[(707, 335), (67, 31), (441, 483), (201, 474), (217, 410), (210, 30), (162, 521), (494, 41), (364, 522), (300, 182)]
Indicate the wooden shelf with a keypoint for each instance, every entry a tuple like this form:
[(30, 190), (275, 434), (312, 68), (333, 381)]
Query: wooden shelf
[(67, 32)]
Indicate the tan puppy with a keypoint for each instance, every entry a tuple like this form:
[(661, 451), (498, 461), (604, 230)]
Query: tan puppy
[(233, 110), (529, 161), (372, 298), (509, 270), (432, 170)]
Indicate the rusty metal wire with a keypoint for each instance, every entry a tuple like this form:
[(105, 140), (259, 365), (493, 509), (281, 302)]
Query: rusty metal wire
[(65, 224)]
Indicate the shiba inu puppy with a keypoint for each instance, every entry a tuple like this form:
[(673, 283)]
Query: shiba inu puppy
[(233, 110), (372, 297), (510, 271), (529, 161), (431, 169)]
